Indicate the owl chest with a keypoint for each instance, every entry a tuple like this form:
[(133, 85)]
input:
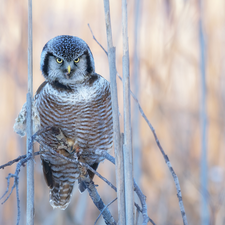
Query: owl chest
[(78, 118), (63, 113)]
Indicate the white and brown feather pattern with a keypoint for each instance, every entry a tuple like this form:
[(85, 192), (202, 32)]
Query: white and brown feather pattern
[(84, 114)]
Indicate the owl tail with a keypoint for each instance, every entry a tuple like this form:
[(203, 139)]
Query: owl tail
[(60, 195), (60, 179)]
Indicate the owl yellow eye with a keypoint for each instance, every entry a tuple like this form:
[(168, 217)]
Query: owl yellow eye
[(58, 60), (77, 60)]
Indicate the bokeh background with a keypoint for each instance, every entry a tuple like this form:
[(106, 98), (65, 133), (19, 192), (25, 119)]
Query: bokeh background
[(168, 86)]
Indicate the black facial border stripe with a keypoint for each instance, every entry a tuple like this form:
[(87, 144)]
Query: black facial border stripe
[(46, 61), (88, 60)]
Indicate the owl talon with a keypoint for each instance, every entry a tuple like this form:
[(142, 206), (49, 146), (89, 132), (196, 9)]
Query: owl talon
[(65, 143)]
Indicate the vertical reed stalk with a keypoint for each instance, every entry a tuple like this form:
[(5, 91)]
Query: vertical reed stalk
[(116, 124), (127, 147), (30, 163)]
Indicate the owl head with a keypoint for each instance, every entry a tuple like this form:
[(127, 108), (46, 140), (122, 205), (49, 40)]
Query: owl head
[(67, 60)]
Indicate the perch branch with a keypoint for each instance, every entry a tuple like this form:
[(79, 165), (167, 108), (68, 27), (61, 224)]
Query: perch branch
[(39, 140), (109, 220)]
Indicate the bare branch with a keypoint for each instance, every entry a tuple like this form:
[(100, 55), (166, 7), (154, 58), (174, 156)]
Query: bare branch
[(143, 203), (16, 160), (104, 209), (140, 210), (16, 183), (109, 220)]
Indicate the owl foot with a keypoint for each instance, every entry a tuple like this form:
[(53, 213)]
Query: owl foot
[(68, 144)]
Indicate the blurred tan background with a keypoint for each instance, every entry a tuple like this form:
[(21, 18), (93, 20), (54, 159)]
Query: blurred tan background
[(169, 92)]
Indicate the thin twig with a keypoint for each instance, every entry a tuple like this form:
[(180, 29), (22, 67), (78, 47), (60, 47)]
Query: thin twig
[(143, 203), (140, 210), (16, 184), (97, 40), (104, 210), (16, 160)]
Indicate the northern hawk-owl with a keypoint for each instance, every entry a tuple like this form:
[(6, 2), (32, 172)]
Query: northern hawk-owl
[(76, 102)]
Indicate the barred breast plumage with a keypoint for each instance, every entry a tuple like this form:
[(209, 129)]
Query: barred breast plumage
[(83, 114)]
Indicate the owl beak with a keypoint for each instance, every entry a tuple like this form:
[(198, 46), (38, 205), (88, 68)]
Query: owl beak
[(69, 69), (68, 72)]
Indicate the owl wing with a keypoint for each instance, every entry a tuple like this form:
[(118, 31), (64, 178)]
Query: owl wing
[(20, 122)]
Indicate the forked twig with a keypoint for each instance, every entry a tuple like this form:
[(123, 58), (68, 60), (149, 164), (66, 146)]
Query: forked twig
[(104, 209), (97, 40), (22, 161)]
